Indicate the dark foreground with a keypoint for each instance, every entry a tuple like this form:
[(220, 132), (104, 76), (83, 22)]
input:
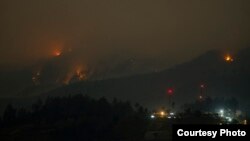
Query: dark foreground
[(80, 118)]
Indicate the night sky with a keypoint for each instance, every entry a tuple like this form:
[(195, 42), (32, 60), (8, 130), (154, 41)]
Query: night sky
[(166, 31)]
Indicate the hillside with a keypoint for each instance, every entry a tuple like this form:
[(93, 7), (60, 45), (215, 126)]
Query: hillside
[(221, 79)]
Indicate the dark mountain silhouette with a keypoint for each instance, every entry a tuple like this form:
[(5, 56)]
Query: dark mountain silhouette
[(221, 79), (65, 69)]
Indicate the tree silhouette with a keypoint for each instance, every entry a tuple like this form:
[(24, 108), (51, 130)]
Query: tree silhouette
[(76, 118), (9, 114)]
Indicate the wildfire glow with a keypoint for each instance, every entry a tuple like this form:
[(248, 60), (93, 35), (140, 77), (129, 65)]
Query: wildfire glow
[(77, 73), (80, 73), (57, 53), (57, 47)]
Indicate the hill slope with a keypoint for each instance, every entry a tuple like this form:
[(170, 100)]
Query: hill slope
[(221, 79)]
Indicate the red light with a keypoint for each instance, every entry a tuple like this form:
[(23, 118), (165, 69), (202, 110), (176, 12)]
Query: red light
[(170, 91)]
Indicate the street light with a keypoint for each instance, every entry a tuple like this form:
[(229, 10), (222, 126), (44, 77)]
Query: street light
[(222, 113), (152, 116), (162, 113), (228, 58)]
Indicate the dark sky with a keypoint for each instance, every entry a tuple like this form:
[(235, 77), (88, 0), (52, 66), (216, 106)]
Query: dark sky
[(168, 31)]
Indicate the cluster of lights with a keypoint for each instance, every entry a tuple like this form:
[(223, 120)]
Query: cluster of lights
[(228, 117), (163, 114), (171, 115), (222, 115)]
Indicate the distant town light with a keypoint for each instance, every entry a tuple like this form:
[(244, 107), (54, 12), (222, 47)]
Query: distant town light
[(162, 113), (228, 58), (222, 113), (152, 116), (171, 114), (245, 122), (229, 119)]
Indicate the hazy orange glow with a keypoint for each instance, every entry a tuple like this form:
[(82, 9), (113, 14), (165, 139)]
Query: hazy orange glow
[(57, 52), (80, 73), (77, 73), (57, 47), (228, 58)]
